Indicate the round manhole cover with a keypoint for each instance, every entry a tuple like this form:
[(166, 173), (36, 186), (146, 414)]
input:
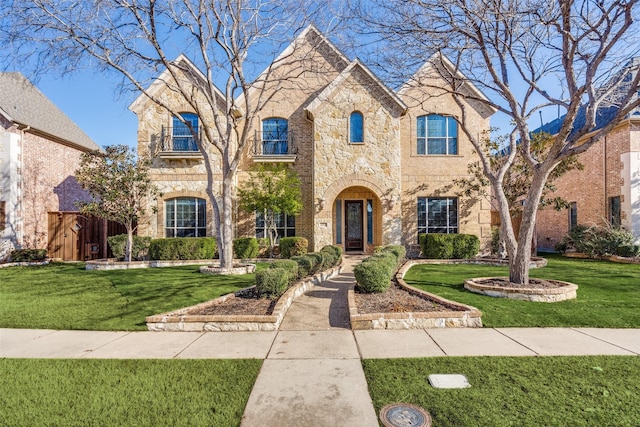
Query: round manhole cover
[(404, 415)]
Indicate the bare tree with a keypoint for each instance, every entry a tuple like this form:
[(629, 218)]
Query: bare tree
[(140, 39), (526, 56)]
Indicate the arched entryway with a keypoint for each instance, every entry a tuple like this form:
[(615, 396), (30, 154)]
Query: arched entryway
[(357, 220)]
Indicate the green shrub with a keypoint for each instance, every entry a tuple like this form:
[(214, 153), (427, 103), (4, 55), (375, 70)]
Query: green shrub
[(495, 240), (246, 247), (399, 251), (318, 262), (271, 282), (332, 255), (293, 246), (436, 246), (183, 248), (372, 276), (289, 266), (118, 245), (449, 246), (305, 264), (465, 245), (599, 241), (388, 259), (28, 255)]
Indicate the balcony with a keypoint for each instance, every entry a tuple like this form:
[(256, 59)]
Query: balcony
[(178, 144), (267, 149)]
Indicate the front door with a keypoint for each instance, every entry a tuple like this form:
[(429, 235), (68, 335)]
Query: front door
[(353, 227)]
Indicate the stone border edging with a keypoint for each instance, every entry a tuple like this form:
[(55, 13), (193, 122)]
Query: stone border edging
[(564, 292), (112, 264), (610, 258), (535, 262), (25, 264), (460, 316), (179, 321)]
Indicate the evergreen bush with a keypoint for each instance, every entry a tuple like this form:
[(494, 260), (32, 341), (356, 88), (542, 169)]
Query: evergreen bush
[(289, 266), (183, 248), (293, 246), (449, 246), (271, 282), (118, 245), (246, 247), (305, 264), (28, 255), (372, 276)]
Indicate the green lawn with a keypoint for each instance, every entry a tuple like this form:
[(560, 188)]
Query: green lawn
[(36, 392), (608, 294), (515, 391), (66, 296)]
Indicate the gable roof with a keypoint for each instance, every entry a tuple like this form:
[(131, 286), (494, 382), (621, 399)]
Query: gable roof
[(22, 103), (158, 84), (334, 85), (440, 59)]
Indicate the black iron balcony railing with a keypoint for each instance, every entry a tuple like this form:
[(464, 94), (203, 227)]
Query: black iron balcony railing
[(272, 145), (178, 140)]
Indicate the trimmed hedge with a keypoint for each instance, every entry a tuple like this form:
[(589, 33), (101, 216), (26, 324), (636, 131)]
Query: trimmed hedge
[(271, 282), (449, 246), (246, 247), (305, 264), (118, 245), (183, 248), (289, 266), (332, 255), (374, 274), (318, 262), (28, 255), (293, 246)]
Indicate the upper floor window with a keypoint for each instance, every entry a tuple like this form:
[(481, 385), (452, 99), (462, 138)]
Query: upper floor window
[(437, 215), (184, 136), (437, 134), (275, 136), (185, 217), (356, 134)]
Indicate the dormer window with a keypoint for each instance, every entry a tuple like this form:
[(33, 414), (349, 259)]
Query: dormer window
[(183, 135), (356, 128)]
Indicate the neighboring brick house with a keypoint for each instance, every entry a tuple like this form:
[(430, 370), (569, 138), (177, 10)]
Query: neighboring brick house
[(40, 150), (607, 190), (377, 166)]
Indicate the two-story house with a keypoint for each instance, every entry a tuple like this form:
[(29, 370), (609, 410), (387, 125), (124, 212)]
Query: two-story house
[(376, 165)]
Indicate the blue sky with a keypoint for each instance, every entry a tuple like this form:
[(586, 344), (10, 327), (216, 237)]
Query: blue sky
[(93, 102)]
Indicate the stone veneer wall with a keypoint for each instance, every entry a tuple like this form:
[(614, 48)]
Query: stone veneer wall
[(375, 164)]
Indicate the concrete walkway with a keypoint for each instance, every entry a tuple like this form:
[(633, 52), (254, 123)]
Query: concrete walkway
[(312, 374)]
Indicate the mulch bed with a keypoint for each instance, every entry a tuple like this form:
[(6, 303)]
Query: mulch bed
[(396, 300), (244, 303)]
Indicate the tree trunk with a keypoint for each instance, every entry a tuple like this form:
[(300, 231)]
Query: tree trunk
[(519, 261), (225, 246), (129, 245)]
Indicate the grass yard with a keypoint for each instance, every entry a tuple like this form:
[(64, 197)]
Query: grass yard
[(38, 392), (515, 391), (66, 296), (608, 294)]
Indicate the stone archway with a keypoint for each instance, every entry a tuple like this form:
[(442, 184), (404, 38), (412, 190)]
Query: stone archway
[(351, 214)]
